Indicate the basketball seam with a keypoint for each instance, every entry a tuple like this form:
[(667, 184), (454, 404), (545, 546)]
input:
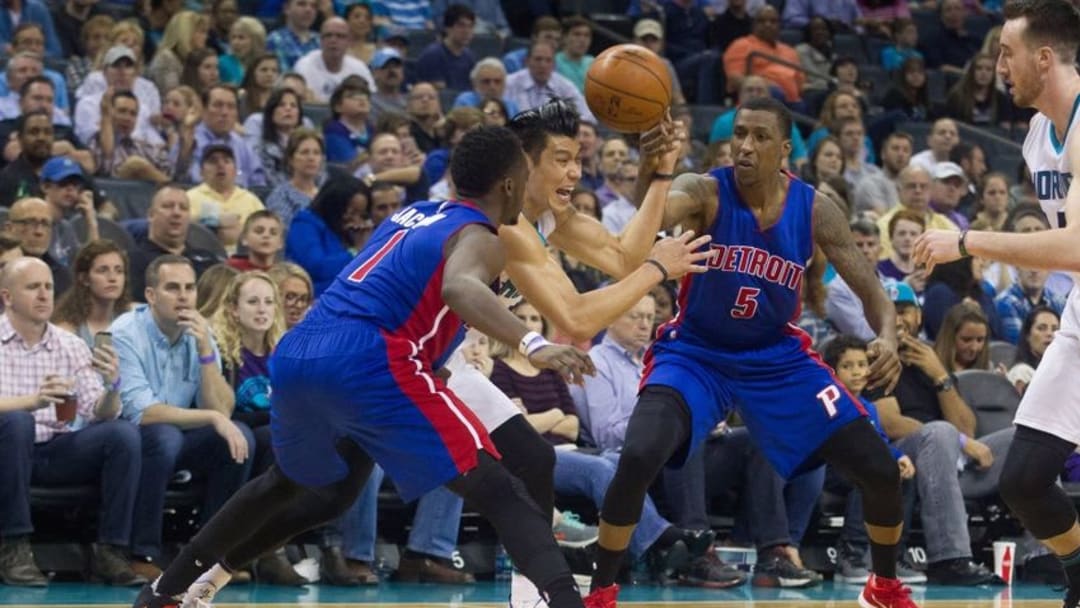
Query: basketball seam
[(648, 69)]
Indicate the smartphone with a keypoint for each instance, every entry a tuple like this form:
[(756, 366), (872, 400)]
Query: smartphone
[(102, 338)]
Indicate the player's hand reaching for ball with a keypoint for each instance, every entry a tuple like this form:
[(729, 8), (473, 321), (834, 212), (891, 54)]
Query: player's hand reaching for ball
[(572, 363), (660, 146), (885, 364), (680, 255), (935, 247)]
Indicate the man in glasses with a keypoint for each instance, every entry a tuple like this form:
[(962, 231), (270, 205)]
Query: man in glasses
[(30, 222)]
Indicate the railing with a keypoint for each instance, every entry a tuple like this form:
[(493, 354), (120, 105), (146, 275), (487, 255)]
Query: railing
[(784, 62)]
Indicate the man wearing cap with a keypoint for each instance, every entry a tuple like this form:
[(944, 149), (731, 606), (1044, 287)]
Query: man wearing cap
[(65, 188), (447, 63), (221, 104), (950, 185), (389, 73), (218, 202), (650, 34), (327, 66), (538, 82), (928, 420), (120, 152), (914, 183), (120, 67), (30, 221), (488, 78), (295, 39)]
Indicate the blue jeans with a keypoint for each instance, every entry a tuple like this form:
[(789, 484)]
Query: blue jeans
[(589, 475), (106, 453), (435, 524), (167, 448)]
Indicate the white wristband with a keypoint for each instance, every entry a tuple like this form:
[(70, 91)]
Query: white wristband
[(531, 343)]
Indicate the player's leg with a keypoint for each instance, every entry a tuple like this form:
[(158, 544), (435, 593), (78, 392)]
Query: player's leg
[(523, 529)]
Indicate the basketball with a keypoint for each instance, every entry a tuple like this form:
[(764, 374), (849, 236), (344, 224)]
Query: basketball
[(628, 88)]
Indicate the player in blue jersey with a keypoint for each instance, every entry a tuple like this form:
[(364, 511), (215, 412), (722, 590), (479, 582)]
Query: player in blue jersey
[(356, 381), (734, 345), (1039, 42)]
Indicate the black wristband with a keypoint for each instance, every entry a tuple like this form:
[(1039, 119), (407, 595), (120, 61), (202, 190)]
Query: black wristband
[(662, 176), (962, 245), (659, 267)]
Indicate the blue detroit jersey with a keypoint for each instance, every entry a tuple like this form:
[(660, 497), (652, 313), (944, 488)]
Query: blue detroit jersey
[(396, 281), (752, 289)]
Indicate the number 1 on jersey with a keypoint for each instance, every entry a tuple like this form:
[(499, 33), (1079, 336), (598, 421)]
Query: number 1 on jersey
[(745, 303), (363, 270)]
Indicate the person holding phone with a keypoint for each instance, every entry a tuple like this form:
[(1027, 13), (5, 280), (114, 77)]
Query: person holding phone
[(59, 404)]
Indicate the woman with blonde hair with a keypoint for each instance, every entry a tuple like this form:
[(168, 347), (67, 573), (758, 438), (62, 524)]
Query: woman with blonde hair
[(296, 289), (211, 288), (186, 32), (100, 294), (123, 33), (94, 35), (247, 40)]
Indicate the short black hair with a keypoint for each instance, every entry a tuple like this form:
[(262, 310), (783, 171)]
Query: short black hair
[(24, 90), (455, 13), (20, 124), (485, 156), (124, 94), (556, 117), (222, 86), (154, 268), (839, 345), (962, 151), (1053, 23), (333, 199), (769, 104)]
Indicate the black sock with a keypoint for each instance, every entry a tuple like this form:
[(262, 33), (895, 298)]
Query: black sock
[(883, 559), (607, 567), (668, 537), (563, 592)]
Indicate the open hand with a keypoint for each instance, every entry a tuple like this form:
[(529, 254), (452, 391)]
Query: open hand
[(680, 255), (572, 363)]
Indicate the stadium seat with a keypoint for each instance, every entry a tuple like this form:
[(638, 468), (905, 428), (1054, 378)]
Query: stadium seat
[(107, 228), (201, 237), (879, 82), (703, 117), (318, 113), (132, 198), (446, 99), (1002, 352), (261, 192), (486, 45), (418, 41), (850, 45), (791, 37), (991, 396)]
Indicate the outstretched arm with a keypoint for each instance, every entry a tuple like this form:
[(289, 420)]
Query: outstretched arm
[(832, 234), (1046, 250)]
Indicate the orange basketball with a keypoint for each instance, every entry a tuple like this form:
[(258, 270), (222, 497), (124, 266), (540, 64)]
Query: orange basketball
[(628, 88)]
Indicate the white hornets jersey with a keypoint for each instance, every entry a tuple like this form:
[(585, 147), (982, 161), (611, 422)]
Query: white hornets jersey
[(1047, 159)]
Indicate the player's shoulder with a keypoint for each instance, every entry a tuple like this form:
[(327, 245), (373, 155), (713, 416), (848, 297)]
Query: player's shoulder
[(696, 184)]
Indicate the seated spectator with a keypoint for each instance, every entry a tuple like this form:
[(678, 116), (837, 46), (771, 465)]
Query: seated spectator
[(909, 94), (323, 237), (879, 196), (975, 99), (66, 192), (587, 138), (9, 250), (30, 222), (948, 188), (496, 114), (21, 178), (425, 112), (30, 38), (259, 81), (218, 202), (22, 68), (573, 60), (929, 421), (826, 161), (37, 95), (972, 159), (218, 124), (948, 45), (388, 70), (120, 73), (349, 131), (69, 21), (847, 355), (1036, 334), (754, 87), (943, 136), (718, 155), (389, 163), (764, 39), (167, 232), (992, 201), (488, 81), (180, 113), (490, 18), (1016, 304), (905, 38), (613, 153), (840, 106), (294, 285), (816, 53), (93, 39), (305, 168), (212, 285), (126, 33), (852, 138), (457, 123), (223, 14), (175, 393), (538, 82), (201, 70), (119, 151), (247, 39), (296, 38), (686, 27), (326, 67), (962, 341), (812, 318), (60, 427), (186, 32), (100, 291), (546, 29), (842, 307), (617, 213), (447, 63), (1031, 218), (361, 31), (282, 115), (904, 227), (954, 282), (914, 185), (733, 21), (385, 202), (263, 238)]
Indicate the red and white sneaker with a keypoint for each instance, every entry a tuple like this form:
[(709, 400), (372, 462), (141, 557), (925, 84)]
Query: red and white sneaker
[(885, 593), (604, 597)]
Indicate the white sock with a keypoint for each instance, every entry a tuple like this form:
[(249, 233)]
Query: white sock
[(216, 576), (523, 593)]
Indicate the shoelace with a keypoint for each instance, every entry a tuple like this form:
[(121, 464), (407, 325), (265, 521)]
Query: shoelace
[(571, 520), (895, 591)]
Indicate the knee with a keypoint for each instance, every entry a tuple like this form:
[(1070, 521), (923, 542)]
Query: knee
[(941, 434), (1021, 483), (161, 445), (878, 472), (17, 428), (124, 438)]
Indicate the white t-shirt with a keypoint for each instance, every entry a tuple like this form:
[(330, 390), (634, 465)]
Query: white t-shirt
[(322, 81), (925, 159)]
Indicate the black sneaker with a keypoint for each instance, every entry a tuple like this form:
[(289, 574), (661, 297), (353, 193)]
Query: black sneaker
[(775, 569), (663, 564), (699, 542), (961, 572), (148, 598), (1072, 597), (711, 572)]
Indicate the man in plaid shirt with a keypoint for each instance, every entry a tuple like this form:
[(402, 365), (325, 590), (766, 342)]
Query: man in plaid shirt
[(42, 369)]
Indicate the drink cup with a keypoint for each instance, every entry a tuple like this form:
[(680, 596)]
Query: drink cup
[(1004, 557), (66, 409)]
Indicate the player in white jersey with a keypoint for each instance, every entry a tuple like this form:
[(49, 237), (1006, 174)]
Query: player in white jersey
[(1038, 51)]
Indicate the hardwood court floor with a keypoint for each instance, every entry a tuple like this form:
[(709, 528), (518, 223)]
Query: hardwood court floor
[(489, 595)]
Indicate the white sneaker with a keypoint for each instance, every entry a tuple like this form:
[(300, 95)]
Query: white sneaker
[(199, 595)]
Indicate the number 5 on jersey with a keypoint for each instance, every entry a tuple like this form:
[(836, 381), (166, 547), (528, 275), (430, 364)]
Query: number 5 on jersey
[(746, 303)]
